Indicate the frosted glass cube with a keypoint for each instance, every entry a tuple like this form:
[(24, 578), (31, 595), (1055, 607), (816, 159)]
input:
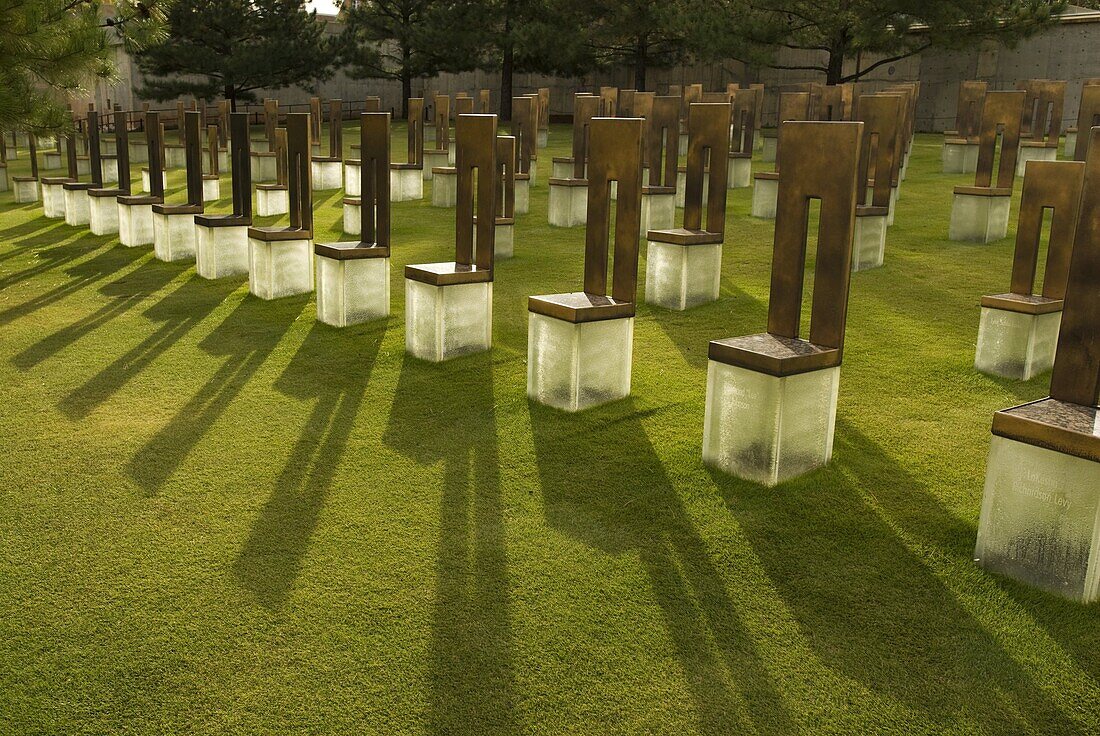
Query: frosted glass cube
[(960, 158), (561, 169), (568, 205), (353, 218), (682, 276), (434, 159), (1071, 143), (135, 224), (1016, 345), (272, 202), (542, 139), (1034, 153), (681, 189), (892, 206), (211, 190), (523, 197), (658, 211), (25, 190), (765, 196), (327, 175), (769, 145), (352, 290), (108, 146), (78, 210), (445, 188), (83, 166), (278, 268), (102, 215), (979, 219), (739, 173), (443, 322), (109, 169), (52, 160), (146, 185), (352, 173), (577, 365), (1038, 522), (264, 166), (533, 172), (869, 243), (174, 237), (175, 157), (53, 201), (139, 152), (4, 183), (768, 428), (406, 185), (221, 251), (683, 148)]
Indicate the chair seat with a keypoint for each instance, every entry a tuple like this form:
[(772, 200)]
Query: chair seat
[(1061, 426), (766, 175), (132, 200), (652, 191), (223, 220), (56, 180), (566, 182), (683, 236), (78, 186), (1022, 303), (447, 274), (327, 159), (351, 250), (984, 191), (272, 187), (579, 306), (869, 210), (275, 234), (773, 354), (105, 192), (406, 166), (178, 209)]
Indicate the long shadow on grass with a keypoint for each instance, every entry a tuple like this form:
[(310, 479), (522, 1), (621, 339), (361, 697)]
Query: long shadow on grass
[(123, 294), (30, 227), (178, 313), (332, 367), (50, 258), (245, 338), (445, 414), (870, 608), (692, 330), (581, 461)]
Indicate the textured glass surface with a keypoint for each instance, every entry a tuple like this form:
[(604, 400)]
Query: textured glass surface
[(568, 206), (327, 175), (53, 201), (445, 189), (681, 189), (561, 169), (1033, 153), (432, 159), (352, 179), (280, 267), (503, 241), (577, 366), (523, 196), (406, 185), (109, 167), (767, 428), (353, 218), (765, 195), (78, 211), (767, 150), (139, 152), (102, 215), (658, 212), (443, 322), (960, 158), (869, 243), (221, 251), (174, 237), (979, 219), (145, 184), (1016, 345), (264, 168), (135, 224), (1039, 518), (26, 191), (352, 291), (271, 202), (211, 190), (682, 276), (739, 173)]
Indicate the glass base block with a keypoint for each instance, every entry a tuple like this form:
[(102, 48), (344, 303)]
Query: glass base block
[(279, 268), (146, 186), (739, 173), (681, 190), (53, 160), (139, 152), (561, 169), (109, 169), (1033, 153), (135, 224), (444, 322), (264, 168), (78, 208), (221, 251), (175, 157), (445, 188), (53, 201), (892, 205), (406, 185), (765, 196), (574, 366), (768, 149), (1039, 519), (768, 428), (533, 171), (869, 243), (979, 219), (102, 215), (353, 290), (1071, 143), (25, 191), (173, 237), (658, 212), (83, 166), (211, 190), (352, 179), (433, 159), (960, 158), (568, 205), (503, 241), (1016, 345), (523, 196), (327, 175), (353, 218), (272, 202), (542, 139), (682, 276), (682, 149)]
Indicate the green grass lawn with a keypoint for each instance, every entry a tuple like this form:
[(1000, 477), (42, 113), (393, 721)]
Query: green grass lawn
[(221, 516)]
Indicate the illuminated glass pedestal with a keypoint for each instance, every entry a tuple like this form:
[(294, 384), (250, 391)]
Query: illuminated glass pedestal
[(174, 232), (739, 173), (280, 262), (25, 189), (78, 208), (960, 156), (135, 220), (146, 182), (979, 215), (765, 194), (406, 183), (353, 216), (658, 208), (434, 160), (53, 197), (1034, 151), (103, 211), (353, 283), (352, 176), (272, 200), (264, 166), (568, 206), (522, 191), (448, 311), (869, 242), (683, 268), (1017, 335), (211, 188), (221, 246), (769, 145), (444, 186), (328, 173)]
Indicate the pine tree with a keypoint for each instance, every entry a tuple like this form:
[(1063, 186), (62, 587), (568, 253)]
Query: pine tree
[(640, 34)]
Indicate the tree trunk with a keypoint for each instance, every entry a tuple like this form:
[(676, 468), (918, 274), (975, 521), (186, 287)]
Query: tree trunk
[(835, 69), (507, 68), (641, 59), (230, 93)]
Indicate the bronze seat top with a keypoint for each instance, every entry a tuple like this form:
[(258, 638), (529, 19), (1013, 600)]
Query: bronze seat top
[(563, 159), (773, 354), (23, 178), (73, 185), (357, 201), (138, 199), (271, 187), (866, 210), (1022, 303), (741, 154), (327, 159), (405, 166), (447, 274), (1062, 426), (683, 236), (178, 209), (1052, 143), (354, 161), (105, 192), (767, 175), (579, 306), (566, 182), (223, 220), (646, 189), (351, 250), (984, 191), (444, 170), (263, 153), (56, 180), (278, 233)]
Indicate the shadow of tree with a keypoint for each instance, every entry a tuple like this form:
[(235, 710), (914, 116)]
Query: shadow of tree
[(618, 515), (445, 414), (332, 367)]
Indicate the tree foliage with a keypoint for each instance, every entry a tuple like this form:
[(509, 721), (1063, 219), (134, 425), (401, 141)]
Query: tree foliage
[(639, 34)]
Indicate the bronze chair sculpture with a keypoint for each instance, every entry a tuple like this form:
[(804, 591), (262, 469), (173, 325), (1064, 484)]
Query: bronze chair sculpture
[(960, 146), (174, 224), (103, 201), (221, 241), (879, 168), (568, 205), (441, 154), (77, 201), (135, 212), (327, 172), (1041, 126), (53, 187), (765, 191), (273, 198), (743, 115)]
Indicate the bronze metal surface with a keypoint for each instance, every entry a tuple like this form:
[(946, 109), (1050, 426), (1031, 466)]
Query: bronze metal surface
[(374, 179), (743, 116), (1088, 115), (350, 250), (585, 107), (1076, 376), (483, 103), (773, 354), (300, 173), (1002, 111), (880, 151), (609, 102), (335, 129), (315, 120), (32, 142), (792, 106), (449, 273), (213, 167), (506, 171), (1042, 119), (271, 121), (692, 93), (820, 161), (95, 159), (525, 130), (442, 106), (416, 131), (662, 141), (968, 109), (154, 132), (643, 106), (544, 108), (224, 108), (834, 102), (615, 155), (464, 105), (1022, 303), (683, 236), (708, 139), (1062, 426), (192, 152), (579, 306), (626, 103), (372, 103), (476, 149), (280, 158), (240, 165), (70, 152)]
